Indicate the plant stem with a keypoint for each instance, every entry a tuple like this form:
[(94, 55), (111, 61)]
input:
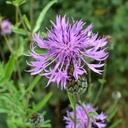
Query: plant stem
[(21, 17), (75, 117), (90, 86), (6, 39), (17, 42), (101, 86), (31, 14), (79, 100), (16, 20)]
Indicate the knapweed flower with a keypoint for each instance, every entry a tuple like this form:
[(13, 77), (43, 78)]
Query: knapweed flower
[(66, 45), (82, 119), (5, 27)]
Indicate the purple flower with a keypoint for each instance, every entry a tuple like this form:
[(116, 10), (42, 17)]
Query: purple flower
[(67, 44), (5, 24), (82, 119)]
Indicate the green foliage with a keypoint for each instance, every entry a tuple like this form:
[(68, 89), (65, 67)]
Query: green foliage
[(6, 70), (42, 15), (21, 94), (42, 103), (16, 2)]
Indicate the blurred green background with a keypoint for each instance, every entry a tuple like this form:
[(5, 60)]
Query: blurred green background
[(109, 17)]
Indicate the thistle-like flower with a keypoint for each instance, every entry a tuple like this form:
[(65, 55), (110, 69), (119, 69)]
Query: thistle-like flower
[(5, 27), (36, 119), (82, 119), (67, 45)]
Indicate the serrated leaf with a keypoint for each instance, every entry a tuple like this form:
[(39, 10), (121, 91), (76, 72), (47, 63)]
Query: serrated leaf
[(42, 15), (42, 103)]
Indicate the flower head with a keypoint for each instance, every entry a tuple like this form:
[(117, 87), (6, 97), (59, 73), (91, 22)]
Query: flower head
[(67, 45), (82, 119), (5, 24)]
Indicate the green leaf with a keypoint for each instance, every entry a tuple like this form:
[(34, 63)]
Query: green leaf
[(112, 114), (20, 50), (70, 97), (42, 103), (3, 110), (27, 22), (2, 71), (93, 118), (93, 113), (18, 30), (8, 69), (33, 83), (9, 2), (42, 15), (115, 123), (101, 81), (16, 2), (6, 97)]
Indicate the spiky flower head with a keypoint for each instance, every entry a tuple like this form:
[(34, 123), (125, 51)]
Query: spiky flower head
[(5, 27), (67, 44), (96, 121), (36, 119)]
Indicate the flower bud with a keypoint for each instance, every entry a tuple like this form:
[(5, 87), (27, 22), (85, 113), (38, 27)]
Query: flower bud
[(36, 119)]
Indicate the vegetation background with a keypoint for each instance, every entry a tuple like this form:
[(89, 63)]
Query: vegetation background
[(110, 18)]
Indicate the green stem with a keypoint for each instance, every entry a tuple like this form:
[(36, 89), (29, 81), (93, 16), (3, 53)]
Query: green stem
[(18, 70), (6, 39), (89, 83), (89, 76), (101, 86), (17, 42), (75, 117), (2, 54), (79, 100), (17, 19), (21, 17), (31, 14)]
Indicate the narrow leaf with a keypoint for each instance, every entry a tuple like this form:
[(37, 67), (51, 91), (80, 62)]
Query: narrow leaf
[(115, 123), (42, 15), (102, 81), (93, 113), (9, 69), (70, 97), (42, 103), (27, 22), (112, 114), (18, 30), (9, 2), (33, 83), (3, 96)]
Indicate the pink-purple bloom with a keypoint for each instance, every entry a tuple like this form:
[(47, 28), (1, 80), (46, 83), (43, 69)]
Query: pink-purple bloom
[(6, 27), (96, 121), (67, 44)]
